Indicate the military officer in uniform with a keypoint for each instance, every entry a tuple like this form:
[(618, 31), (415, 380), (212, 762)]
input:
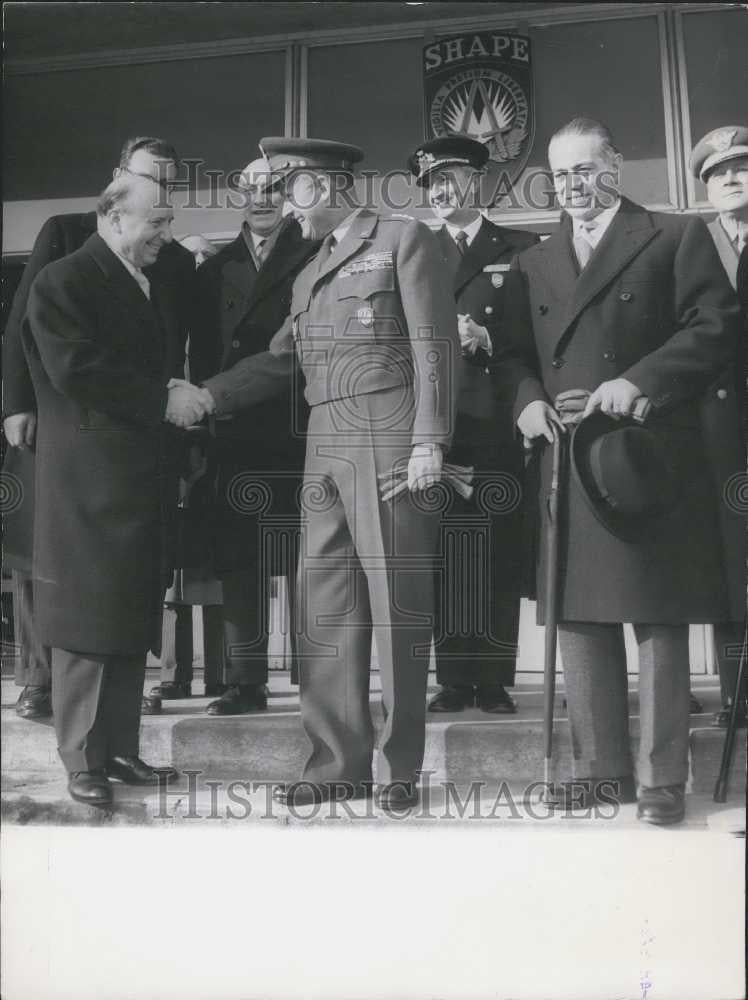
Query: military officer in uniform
[(477, 612), (620, 309), (244, 295), (375, 329), (720, 160)]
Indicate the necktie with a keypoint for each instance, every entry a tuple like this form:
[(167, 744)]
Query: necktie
[(261, 250), (741, 240), (582, 246), (461, 241)]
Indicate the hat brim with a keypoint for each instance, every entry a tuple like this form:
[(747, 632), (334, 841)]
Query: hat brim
[(733, 153), (628, 527)]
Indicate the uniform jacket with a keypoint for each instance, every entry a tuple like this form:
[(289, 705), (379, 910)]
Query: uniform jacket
[(369, 317), (653, 306), (61, 235), (105, 475), (239, 310)]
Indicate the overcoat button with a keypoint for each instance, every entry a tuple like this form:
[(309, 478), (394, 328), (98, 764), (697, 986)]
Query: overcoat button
[(229, 303), (610, 355), (236, 343), (557, 362), (626, 296), (543, 310), (721, 393), (488, 310)]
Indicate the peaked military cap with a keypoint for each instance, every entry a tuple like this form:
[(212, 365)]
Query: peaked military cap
[(446, 151), (288, 154), (717, 146)]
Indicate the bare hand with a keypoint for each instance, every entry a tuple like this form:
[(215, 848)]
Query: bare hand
[(538, 419), (20, 429), (424, 467), (199, 247), (616, 398), (471, 335), (187, 404)]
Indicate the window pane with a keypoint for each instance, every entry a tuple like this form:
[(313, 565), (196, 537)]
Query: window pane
[(716, 52), (608, 70), (63, 131)]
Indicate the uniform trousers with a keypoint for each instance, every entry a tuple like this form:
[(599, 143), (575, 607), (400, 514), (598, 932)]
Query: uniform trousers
[(366, 568), (32, 663), (177, 653), (594, 662), (96, 702)]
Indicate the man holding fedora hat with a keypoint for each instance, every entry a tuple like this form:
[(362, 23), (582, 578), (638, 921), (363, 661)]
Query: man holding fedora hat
[(623, 313), (720, 160)]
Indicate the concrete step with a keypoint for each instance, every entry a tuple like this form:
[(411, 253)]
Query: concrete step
[(272, 746)]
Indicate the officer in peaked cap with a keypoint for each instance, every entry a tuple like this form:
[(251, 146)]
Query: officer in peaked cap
[(375, 331), (720, 160), (476, 659), (446, 151)]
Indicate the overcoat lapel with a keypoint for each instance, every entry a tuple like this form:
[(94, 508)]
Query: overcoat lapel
[(122, 284)]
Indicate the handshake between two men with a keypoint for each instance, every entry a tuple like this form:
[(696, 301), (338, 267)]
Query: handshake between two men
[(187, 404)]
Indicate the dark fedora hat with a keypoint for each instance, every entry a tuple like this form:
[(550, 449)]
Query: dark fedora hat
[(626, 473)]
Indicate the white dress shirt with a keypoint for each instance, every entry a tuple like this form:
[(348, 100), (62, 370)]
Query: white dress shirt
[(145, 285), (602, 220)]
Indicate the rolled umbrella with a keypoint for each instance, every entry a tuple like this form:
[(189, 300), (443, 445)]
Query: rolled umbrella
[(550, 586), (728, 747)]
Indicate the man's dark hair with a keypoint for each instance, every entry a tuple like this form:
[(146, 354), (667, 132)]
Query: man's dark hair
[(152, 145), (583, 125)]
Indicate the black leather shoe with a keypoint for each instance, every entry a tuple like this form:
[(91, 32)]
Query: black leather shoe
[(172, 690), (397, 796), (722, 718), (134, 771), (306, 793), (34, 702), (150, 705), (663, 805), (90, 787), (588, 792), (452, 698), (240, 699), (695, 707), (495, 699)]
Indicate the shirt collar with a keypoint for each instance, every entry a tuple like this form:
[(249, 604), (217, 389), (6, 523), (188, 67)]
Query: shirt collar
[(470, 231), (252, 239), (602, 219), (732, 227), (136, 272)]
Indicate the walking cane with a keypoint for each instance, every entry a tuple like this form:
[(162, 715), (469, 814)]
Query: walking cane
[(720, 788), (551, 605)]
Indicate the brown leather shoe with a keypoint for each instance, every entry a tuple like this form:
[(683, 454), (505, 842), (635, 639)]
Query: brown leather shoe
[(305, 793), (90, 787), (662, 806), (34, 702), (397, 796), (240, 699), (494, 698), (452, 698), (134, 771), (172, 690)]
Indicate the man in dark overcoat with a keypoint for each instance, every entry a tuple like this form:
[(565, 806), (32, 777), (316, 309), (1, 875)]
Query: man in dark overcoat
[(720, 160), (621, 308), (477, 588), (59, 236), (375, 330), (243, 297), (97, 337)]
